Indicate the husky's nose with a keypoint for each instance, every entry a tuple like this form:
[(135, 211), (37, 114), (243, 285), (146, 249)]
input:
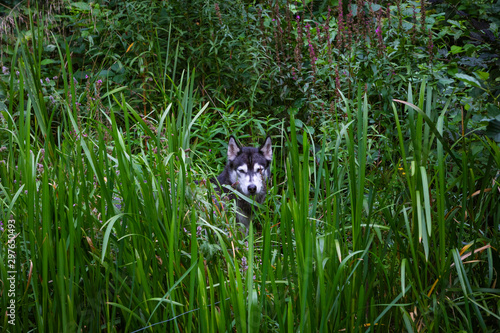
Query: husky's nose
[(252, 189)]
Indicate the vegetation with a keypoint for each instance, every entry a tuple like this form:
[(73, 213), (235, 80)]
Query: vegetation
[(383, 213)]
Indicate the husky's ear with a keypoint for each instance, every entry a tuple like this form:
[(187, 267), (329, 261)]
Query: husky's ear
[(233, 149), (267, 149)]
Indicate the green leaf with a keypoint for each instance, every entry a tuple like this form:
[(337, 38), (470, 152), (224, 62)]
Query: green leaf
[(493, 130), (117, 67), (47, 62), (482, 75), (456, 49), (81, 5), (120, 78), (407, 26), (493, 110), (105, 73), (468, 79), (445, 81), (109, 227), (299, 123), (469, 48)]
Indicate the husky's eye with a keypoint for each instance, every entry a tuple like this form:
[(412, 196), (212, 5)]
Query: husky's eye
[(241, 170), (260, 169)]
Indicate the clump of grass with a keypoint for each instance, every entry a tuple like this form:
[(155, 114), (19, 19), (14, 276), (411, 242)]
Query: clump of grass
[(355, 235)]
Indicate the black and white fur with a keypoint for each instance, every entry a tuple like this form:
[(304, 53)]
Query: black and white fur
[(247, 170)]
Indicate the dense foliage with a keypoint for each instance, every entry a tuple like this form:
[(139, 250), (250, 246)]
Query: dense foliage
[(384, 208)]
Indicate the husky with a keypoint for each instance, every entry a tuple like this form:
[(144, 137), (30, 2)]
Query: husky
[(247, 171)]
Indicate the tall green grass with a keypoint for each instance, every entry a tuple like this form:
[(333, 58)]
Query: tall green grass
[(114, 235)]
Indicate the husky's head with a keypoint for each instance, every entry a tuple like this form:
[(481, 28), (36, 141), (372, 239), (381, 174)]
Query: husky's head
[(249, 167)]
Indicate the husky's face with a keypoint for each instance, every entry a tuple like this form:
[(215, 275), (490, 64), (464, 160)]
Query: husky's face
[(249, 167)]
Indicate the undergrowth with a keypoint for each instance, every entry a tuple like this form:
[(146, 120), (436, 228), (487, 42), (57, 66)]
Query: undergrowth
[(369, 224)]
